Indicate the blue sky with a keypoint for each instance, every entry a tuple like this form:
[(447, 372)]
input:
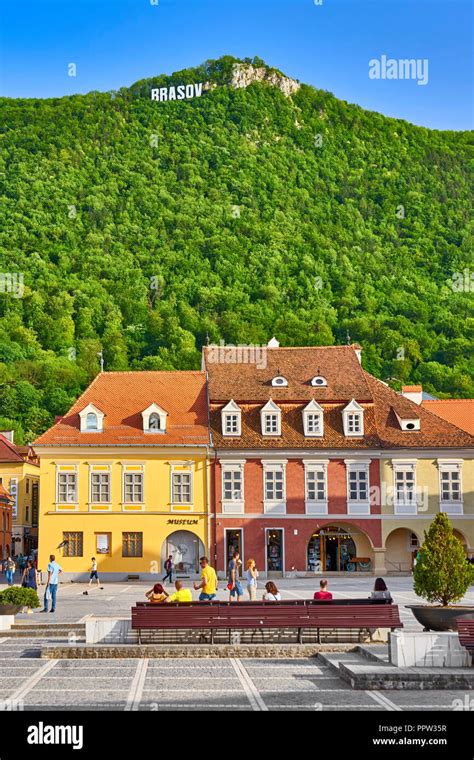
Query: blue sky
[(116, 42)]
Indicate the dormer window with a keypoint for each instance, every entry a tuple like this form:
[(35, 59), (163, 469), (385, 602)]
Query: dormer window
[(154, 419), (270, 416), (231, 419), (154, 422), (280, 382), (353, 420), (92, 419), (319, 381), (407, 422), (313, 420)]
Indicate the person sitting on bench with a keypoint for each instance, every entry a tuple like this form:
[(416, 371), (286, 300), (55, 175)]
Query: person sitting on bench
[(157, 594), (323, 593), (181, 594), (381, 591)]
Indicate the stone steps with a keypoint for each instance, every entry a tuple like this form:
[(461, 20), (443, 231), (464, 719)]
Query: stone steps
[(370, 670)]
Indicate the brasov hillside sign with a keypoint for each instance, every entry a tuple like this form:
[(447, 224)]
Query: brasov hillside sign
[(181, 92)]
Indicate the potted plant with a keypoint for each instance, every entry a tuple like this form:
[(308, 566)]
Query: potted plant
[(15, 598), (442, 574)]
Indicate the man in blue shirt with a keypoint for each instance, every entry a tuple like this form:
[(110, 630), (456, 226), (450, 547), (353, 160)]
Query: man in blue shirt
[(52, 583)]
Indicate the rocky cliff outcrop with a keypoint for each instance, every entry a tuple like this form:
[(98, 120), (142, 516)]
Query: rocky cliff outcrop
[(244, 74)]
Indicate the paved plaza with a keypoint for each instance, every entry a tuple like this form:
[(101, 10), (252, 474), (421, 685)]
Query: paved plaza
[(196, 684)]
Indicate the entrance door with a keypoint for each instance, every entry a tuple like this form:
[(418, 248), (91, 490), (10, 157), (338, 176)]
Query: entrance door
[(233, 543), (185, 548), (331, 550), (274, 552)]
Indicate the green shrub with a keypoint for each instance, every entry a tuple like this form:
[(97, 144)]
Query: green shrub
[(26, 597), (442, 573)]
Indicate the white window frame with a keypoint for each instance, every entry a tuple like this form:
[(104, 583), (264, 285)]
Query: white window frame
[(231, 410), (91, 409), (353, 408), (133, 469), (182, 468), (67, 469), (146, 414), (451, 507), (270, 409), (405, 507), (274, 506), (100, 468), (358, 506), (310, 409), (233, 506), (316, 506)]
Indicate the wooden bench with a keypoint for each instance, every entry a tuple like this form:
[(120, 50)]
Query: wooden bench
[(297, 614), (466, 634)]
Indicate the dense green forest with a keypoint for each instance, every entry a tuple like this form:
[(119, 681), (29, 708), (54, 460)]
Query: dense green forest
[(140, 227)]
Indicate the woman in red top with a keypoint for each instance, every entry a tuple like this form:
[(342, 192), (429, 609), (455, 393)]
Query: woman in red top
[(323, 593)]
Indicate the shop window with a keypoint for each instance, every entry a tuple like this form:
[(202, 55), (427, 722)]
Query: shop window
[(275, 550), (103, 543)]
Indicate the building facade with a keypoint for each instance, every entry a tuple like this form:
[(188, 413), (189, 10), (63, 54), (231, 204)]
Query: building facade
[(5, 523), (319, 467), (20, 475), (125, 477)]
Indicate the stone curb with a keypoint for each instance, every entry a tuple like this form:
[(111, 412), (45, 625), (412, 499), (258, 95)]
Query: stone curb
[(132, 651)]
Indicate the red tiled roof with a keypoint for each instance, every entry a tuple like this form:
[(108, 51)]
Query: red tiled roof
[(122, 396), (412, 388), (247, 382), (457, 411), (8, 451), (251, 387)]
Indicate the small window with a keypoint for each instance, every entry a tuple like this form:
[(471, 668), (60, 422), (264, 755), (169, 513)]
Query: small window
[(154, 422), (231, 424), (27, 486), (132, 544), (181, 488), (280, 381), (354, 423), (27, 514), (271, 424), (410, 426), (133, 487), (103, 543), (73, 544), (91, 421), (319, 381)]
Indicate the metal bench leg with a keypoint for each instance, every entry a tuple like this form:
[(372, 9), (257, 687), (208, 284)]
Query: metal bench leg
[(212, 635), (319, 637), (139, 635), (300, 636)]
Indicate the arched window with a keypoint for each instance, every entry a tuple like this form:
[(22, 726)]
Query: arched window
[(154, 422), (91, 421)]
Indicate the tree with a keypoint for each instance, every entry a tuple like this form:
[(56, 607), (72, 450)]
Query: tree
[(442, 573)]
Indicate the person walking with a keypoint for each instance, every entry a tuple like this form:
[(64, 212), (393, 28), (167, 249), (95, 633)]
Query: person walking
[(54, 571), (323, 594), (169, 569), (252, 575), (208, 581), (234, 585), (9, 570), (271, 593), (94, 575), (181, 594), (28, 579)]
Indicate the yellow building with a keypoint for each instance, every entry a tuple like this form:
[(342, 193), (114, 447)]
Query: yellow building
[(19, 474), (125, 477), (420, 482)]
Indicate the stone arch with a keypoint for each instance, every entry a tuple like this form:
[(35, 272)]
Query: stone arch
[(185, 547), (331, 548), (400, 549)]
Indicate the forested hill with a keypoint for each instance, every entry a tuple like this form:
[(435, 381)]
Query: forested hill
[(141, 226)]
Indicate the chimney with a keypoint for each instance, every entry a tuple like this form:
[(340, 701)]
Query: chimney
[(358, 349), (8, 434), (273, 343), (413, 393)]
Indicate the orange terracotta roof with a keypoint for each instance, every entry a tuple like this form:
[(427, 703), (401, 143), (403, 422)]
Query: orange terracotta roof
[(8, 451), (412, 388), (458, 411), (4, 495), (251, 387), (122, 396), (252, 381)]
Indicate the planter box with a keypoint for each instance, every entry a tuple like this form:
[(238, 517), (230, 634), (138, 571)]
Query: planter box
[(10, 609)]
